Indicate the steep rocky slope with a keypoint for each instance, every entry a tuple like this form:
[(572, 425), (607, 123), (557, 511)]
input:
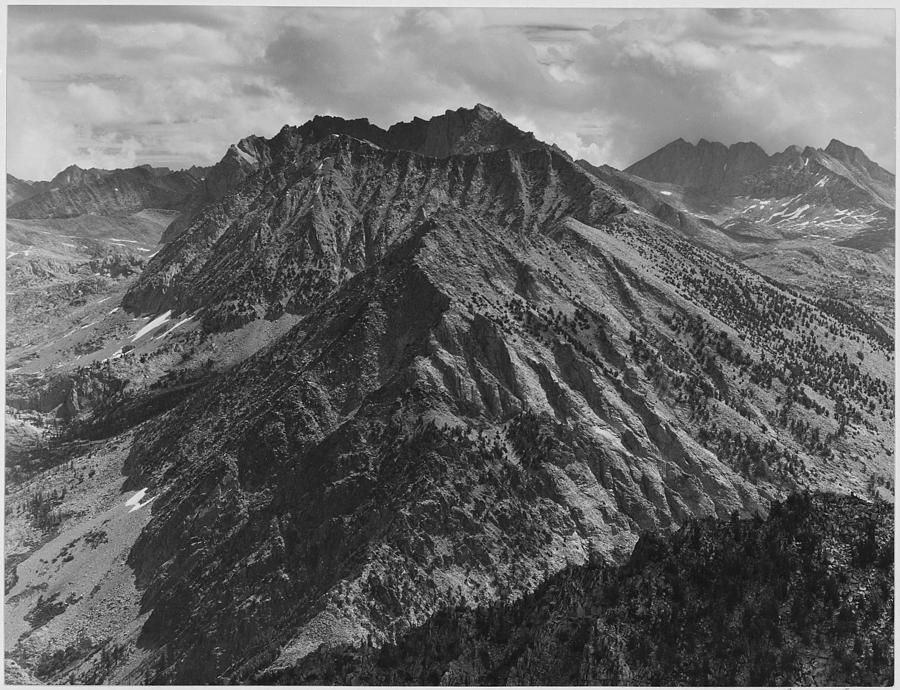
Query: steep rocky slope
[(718, 603), (497, 366)]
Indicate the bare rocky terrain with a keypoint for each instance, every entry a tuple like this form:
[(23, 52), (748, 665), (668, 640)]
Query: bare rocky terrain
[(370, 373)]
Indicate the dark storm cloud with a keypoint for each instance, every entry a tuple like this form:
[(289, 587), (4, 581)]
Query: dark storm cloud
[(609, 85)]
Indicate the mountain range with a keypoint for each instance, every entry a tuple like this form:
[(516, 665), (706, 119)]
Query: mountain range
[(371, 373), (788, 216)]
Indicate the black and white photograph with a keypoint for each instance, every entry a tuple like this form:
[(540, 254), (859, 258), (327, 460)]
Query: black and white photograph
[(438, 345)]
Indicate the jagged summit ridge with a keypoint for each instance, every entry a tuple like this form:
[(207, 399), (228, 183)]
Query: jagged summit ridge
[(706, 164), (457, 132), (336, 194), (460, 131), (715, 167)]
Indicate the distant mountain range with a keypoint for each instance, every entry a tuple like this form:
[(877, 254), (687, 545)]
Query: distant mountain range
[(369, 374), (744, 169), (75, 192), (788, 215)]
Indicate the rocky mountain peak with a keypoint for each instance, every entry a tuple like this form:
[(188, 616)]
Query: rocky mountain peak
[(74, 175), (708, 165), (461, 131), (745, 168), (843, 151), (855, 159)]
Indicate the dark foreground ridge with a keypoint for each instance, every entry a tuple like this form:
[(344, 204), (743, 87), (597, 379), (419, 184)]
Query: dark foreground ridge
[(804, 597)]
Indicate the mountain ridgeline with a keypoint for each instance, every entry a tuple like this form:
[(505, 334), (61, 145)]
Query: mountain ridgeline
[(744, 168), (792, 216), (487, 364), (76, 192)]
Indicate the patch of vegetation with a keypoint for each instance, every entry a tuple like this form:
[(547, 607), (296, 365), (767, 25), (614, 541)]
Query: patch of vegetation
[(52, 664), (47, 609), (95, 537)]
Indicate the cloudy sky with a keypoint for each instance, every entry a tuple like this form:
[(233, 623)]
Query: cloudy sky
[(118, 86)]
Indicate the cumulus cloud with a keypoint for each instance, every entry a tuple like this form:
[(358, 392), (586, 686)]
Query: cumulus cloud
[(174, 86)]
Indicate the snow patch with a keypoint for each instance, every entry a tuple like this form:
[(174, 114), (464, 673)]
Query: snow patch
[(183, 321), (245, 156), (135, 502), (666, 193), (103, 300), (141, 505), (114, 310), (137, 497), (114, 355), (155, 323), (797, 212)]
